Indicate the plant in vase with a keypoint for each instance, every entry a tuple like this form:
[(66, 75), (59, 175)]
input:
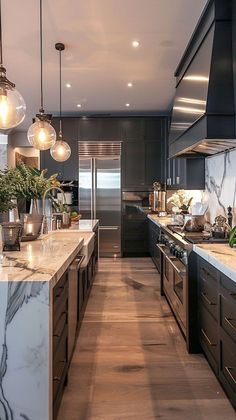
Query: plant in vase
[(6, 196), (180, 201), (29, 183)]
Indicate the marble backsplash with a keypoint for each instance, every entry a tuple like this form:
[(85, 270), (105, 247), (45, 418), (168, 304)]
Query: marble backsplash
[(221, 184)]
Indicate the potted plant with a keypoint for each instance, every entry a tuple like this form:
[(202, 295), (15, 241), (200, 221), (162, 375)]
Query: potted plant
[(6, 195), (29, 183)]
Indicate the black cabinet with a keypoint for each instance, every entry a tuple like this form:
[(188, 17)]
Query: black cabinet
[(135, 237), (153, 240), (186, 173), (133, 165), (100, 129), (67, 170), (217, 324)]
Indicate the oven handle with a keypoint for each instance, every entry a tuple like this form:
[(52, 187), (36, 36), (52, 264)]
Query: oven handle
[(161, 248)]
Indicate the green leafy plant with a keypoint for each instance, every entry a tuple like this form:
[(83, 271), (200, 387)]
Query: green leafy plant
[(28, 183), (6, 194)]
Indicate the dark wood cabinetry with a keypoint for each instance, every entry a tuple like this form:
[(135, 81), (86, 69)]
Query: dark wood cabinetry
[(217, 324), (186, 173), (67, 170), (60, 340), (153, 239)]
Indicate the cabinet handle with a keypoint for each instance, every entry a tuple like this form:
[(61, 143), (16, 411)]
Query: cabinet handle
[(207, 300), (207, 338), (232, 294), (177, 180), (228, 320), (228, 368)]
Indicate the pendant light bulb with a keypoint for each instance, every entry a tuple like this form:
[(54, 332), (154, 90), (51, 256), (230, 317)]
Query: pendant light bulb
[(41, 135), (61, 150), (12, 104)]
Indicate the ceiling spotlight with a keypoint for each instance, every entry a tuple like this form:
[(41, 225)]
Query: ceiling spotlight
[(129, 84), (135, 44), (68, 85), (127, 105), (79, 105)]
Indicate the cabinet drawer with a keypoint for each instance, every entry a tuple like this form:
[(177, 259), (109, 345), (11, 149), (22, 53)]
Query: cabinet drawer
[(208, 296), (228, 287), (60, 299), (209, 274), (228, 364), (228, 316), (208, 335), (60, 363), (59, 330)]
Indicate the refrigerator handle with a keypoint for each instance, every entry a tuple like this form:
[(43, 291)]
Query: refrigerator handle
[(94, 188)]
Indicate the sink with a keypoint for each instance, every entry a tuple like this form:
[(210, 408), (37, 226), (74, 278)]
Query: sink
[(88, 246)]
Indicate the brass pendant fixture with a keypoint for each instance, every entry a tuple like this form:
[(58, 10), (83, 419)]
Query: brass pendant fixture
[(41, 134), (61, 150)]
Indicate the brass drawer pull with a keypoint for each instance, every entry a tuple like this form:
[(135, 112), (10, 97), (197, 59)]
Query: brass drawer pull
[(228, 320), (207, 338), (228, 368), (232, 294), (207, 300)]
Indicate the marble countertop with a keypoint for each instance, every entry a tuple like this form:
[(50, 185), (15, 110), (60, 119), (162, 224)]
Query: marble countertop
[(84, 225), (221, 256), (44, 259), (160, 221)]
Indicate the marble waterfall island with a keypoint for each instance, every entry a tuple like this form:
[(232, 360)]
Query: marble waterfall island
[(27, 279)]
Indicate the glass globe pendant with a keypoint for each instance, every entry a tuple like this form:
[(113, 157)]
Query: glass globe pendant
[(12, 104), (61, 150), (41, 135)]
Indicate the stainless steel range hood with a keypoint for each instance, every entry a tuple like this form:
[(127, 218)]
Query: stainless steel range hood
[(203, 116)]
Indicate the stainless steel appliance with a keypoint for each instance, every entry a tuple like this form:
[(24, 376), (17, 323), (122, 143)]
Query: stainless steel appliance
[(159, 198), (178, 277), (100, 191)]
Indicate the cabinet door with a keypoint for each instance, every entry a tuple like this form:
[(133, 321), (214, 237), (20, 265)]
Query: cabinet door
[(153, 128), (100, 129), (133, 164), (70, 134), (132, 129), (153, 162)]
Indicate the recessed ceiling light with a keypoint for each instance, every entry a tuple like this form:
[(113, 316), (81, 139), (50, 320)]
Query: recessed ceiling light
[(68, 85), (129, 84), (127, 105), (135, 44), (79, 105)]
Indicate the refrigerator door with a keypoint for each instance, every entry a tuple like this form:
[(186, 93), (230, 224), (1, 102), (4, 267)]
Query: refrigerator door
[(86, 188), (107, 204)]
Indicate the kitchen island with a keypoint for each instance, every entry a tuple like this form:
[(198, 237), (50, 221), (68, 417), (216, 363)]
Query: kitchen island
[(29, 281)]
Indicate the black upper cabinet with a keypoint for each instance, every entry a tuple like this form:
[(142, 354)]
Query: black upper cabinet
[(154, 128), (100, 129), (67, 170), (186, 173), (132, 129), (133, 165), (153, 162)]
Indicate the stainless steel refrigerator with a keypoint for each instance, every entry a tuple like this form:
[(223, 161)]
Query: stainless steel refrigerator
[(100, 192)]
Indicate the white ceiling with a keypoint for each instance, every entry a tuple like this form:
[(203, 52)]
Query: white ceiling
[(99, 58)]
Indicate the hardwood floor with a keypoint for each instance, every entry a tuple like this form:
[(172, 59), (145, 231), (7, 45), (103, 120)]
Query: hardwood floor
[(130, 361)]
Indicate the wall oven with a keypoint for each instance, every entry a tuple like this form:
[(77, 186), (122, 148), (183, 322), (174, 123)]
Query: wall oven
[(174, 279)]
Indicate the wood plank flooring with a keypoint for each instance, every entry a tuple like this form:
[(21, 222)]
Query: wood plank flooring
[(130, 361)]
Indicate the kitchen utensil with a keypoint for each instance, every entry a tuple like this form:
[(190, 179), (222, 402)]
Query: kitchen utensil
[(195, 223)]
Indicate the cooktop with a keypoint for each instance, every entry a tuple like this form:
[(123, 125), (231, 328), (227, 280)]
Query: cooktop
[(195, 237)]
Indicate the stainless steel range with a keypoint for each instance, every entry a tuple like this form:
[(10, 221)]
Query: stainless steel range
[(179, 277)]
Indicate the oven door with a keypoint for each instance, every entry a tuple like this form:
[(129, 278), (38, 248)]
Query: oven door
[(174, 278)]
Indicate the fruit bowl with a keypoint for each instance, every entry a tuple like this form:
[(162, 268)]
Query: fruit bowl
[(75, 218)]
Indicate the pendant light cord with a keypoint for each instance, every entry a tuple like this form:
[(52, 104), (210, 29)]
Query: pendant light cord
[(41, 55), (1, 60), (60, 127)]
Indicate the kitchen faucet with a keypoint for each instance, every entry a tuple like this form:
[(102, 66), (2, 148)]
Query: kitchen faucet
[(45, 224)]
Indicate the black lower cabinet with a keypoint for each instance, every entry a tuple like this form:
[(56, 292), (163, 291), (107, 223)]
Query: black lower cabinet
[(60, 340), (153, 240), (135, 237), (217, 324)]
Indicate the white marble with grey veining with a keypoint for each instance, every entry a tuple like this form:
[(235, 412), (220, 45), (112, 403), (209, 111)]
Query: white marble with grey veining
[(45, 259), (85, 225), (160, 221), (26, 280), (221, 256), (221, 184)]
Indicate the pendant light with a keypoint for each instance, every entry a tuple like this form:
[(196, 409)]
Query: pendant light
[(61, 150), (12, 104), (41, 134)]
